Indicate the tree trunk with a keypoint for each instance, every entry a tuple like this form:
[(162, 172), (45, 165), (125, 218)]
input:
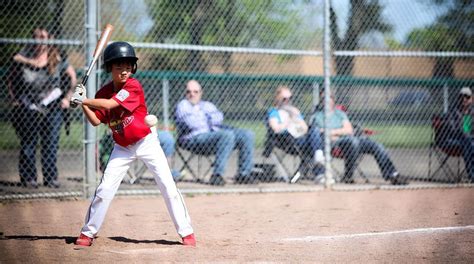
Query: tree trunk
[(56, 27), (196, 31)]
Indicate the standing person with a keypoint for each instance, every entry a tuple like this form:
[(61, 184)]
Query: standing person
[(201, 130), (460, 129), (342, 135), (39, 98), (291, 133), (121, 105)]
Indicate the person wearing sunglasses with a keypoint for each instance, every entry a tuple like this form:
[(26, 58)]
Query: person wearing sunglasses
[(201, 131), (290, 133), (460, 130)]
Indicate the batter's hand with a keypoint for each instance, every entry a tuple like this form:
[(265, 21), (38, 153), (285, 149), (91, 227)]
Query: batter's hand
[(78, 96), (65, 103)]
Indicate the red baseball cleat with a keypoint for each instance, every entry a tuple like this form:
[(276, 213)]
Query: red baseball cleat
[(84, 240), (189, 240)]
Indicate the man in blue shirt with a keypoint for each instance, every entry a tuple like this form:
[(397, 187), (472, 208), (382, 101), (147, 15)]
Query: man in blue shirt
[(201, 130)]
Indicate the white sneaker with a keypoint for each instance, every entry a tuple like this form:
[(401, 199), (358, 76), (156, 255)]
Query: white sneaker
[(296, 177), (320, 179), (319, 157)]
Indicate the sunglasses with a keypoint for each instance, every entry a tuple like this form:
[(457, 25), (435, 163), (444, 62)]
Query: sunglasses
[(287, 98), (192, 91)]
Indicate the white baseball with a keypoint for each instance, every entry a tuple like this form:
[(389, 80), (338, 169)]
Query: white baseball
[(151, 120)]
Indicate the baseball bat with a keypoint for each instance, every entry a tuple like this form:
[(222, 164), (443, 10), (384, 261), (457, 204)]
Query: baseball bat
[(104, 38)]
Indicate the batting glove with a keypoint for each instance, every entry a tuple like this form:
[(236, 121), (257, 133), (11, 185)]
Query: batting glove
[(78, 96)]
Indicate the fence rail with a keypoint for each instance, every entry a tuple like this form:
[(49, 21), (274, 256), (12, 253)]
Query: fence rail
[(240, 52)]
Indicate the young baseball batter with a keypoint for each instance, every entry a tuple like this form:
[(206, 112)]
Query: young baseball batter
[(121, 105)]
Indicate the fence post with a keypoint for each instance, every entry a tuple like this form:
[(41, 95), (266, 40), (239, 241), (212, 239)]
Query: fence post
[(166, 103), (90, 133), (327, 90), (316, 98), (445, 98)]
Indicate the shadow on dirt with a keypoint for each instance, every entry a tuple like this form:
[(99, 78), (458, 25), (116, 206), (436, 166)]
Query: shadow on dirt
[(68, 239), (135, 241), (71, 240), (11, 183)]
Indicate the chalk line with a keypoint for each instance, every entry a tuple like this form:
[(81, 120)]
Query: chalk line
[(386, 233)]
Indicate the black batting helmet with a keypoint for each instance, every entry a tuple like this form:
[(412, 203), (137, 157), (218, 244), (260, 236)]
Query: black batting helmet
[(120, 51)]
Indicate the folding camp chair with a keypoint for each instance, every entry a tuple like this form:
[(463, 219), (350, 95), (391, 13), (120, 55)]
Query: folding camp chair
[(338, 153), (193, 162), (443, 154), (277, 148), (199, 157)]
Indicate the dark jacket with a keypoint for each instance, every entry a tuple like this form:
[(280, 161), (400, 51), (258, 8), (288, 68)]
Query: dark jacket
[(454, 123)]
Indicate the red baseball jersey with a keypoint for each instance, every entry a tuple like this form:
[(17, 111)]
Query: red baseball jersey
[(127, 121)]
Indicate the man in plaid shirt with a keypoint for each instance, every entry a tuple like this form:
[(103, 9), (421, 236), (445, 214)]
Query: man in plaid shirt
[(201, 131)]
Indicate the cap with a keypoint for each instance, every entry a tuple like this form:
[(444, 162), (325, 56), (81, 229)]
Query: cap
[(466, 91)]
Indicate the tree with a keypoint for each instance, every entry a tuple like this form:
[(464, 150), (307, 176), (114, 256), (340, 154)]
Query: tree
[(239, 23), (365, 16), (450, 32), (20, 17), (435, 38)]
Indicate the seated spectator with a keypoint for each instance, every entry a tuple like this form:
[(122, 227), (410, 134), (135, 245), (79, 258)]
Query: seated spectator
[(292, 134), (342, 135), (460, 129), (201, 130)]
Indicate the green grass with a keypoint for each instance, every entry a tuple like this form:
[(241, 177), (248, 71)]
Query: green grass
[(402, 136), (258, 128), (391, 136), (9, 140)]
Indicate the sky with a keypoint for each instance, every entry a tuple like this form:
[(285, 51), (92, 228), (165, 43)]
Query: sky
[(136, 15)]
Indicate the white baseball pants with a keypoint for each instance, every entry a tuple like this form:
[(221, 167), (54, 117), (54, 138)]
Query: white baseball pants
[(149, 151)]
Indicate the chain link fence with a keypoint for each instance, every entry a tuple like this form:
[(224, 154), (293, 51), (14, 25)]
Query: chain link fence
[(392, 71)]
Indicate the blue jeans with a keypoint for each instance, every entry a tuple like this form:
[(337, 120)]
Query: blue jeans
[(306, 147), (353, 147), (309, 143), (31, 127), (222, 143), (466, 144), (167, 142)]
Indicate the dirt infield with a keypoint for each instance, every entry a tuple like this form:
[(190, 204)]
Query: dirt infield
[(415, 226)]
